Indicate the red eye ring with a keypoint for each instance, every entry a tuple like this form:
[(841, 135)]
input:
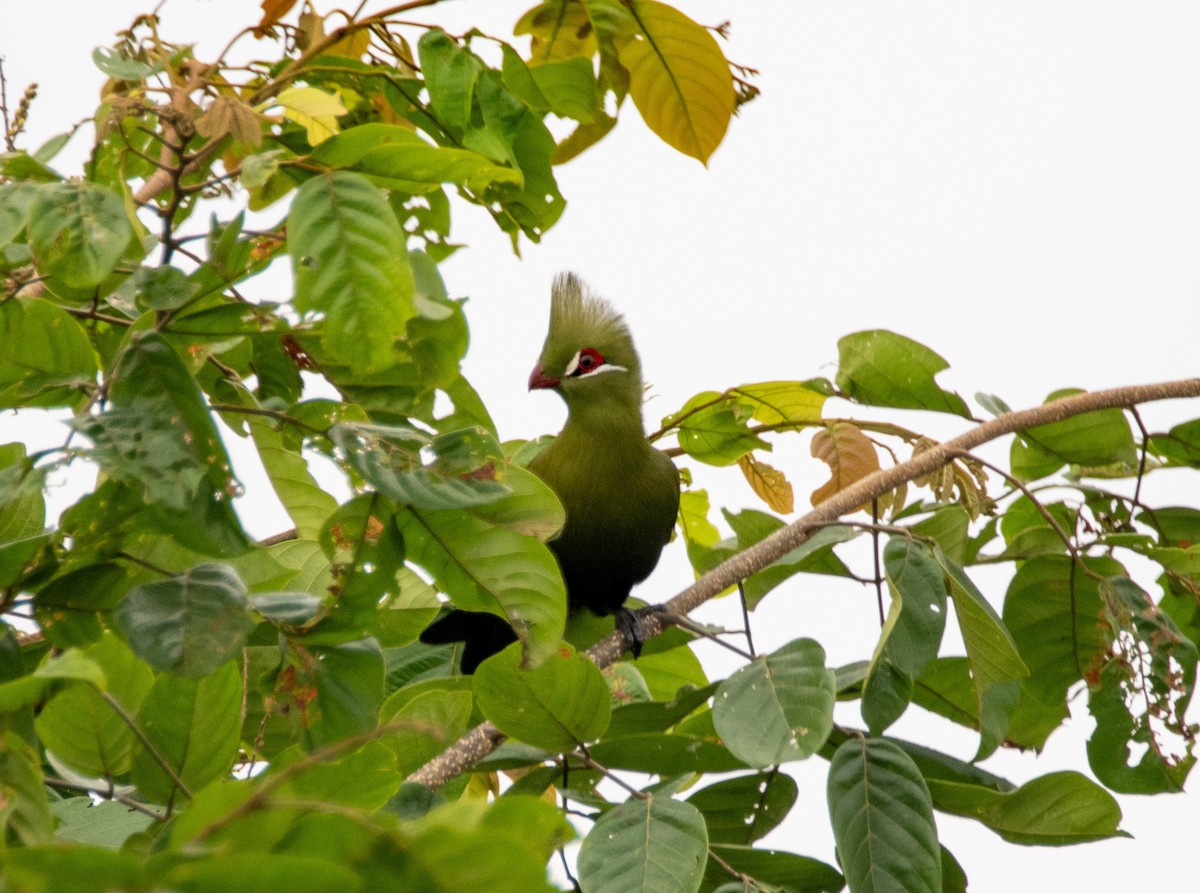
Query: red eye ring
[(589, 360)]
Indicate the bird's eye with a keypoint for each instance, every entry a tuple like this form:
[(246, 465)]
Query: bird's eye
[(587, 361)]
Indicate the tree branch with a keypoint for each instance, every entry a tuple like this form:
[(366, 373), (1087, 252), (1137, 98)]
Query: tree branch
[(483, 739)]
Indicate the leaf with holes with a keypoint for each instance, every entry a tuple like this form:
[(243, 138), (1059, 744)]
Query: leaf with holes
[(562, 703), (1142, 696), (741, 810), (189, 624), (778, 707), (651, 844), (350, 264), (78, 232), (882, 820)]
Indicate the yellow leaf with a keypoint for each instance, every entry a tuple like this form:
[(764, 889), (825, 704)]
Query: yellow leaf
[(314, 110), (559, 29), (769, 483), (849, 454), (693, 518), (353, 45), (777, 402), (679, 78)]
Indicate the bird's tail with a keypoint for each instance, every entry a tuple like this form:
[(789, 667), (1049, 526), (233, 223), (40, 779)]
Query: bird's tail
[(483, 635)]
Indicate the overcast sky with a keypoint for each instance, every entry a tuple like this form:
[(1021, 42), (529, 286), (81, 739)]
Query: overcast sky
[(1015, 185)]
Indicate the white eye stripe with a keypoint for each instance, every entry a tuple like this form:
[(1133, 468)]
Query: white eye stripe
[(572, 369)]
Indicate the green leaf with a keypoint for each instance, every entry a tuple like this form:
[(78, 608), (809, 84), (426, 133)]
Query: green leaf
[(194, 725), (365, 552), (1052, 610), (658, 716), (670, 754), (741, 810), (256, 872), (46, 358), (73, 665), (1092, 439), (882, 368), (365, 778), (85, 731), (555, 706), (450, 76), (350, 264), (105, 824), (426, 725), (678, 78), (78, 869), (815, 555), (487, 568), (715, 429), (882, 820), (1054, 810), (305, 502), (78, 233), (22, 512), (992, 655), (911, 635), (158, 436), (189, 624), (463, 472), (26, 812), (15, 199), (348, 679), (654, 843), (784, 871), (395, 157), (778, 707), (1142, 697)]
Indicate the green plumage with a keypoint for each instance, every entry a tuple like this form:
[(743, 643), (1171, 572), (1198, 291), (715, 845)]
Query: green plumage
[(621, 495)]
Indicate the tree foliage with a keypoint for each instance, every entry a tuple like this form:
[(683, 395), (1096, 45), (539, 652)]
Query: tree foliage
[(183, 707)]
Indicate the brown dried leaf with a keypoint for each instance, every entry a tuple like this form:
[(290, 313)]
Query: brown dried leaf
[(769, 483), (273, 11), (230, 116), (849, 454)]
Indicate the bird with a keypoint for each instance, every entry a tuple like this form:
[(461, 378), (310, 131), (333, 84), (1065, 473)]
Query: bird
[(620, 494)]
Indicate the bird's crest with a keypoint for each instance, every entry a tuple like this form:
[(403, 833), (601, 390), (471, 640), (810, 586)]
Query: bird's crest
[(577, 314)]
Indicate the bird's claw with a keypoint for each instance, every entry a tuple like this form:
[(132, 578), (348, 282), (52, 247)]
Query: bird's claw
[(629, 624)]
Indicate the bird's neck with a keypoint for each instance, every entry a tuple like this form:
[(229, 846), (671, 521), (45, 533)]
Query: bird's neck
[(611, 422)]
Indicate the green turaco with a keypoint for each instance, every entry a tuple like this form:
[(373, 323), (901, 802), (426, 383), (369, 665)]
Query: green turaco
[(621, 495)]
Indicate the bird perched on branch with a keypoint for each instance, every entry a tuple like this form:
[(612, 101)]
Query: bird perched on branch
[(621, 495)]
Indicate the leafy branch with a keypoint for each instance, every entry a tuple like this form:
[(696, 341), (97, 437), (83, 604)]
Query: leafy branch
[(484, 738)]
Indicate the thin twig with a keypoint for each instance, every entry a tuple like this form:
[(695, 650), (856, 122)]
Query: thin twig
[(151, 748), (106, 793)]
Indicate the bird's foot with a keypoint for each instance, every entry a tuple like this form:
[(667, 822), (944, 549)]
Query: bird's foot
[(629, 624)]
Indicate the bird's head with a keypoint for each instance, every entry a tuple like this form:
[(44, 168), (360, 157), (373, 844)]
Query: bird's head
[(588, 357)]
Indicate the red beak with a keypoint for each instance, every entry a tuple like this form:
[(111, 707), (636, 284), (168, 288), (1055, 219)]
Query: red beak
[(539, 379)]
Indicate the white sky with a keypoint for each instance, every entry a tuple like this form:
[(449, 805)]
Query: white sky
[(1014, 185)]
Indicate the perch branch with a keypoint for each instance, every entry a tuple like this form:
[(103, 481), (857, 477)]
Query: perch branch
[(483, 739)]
